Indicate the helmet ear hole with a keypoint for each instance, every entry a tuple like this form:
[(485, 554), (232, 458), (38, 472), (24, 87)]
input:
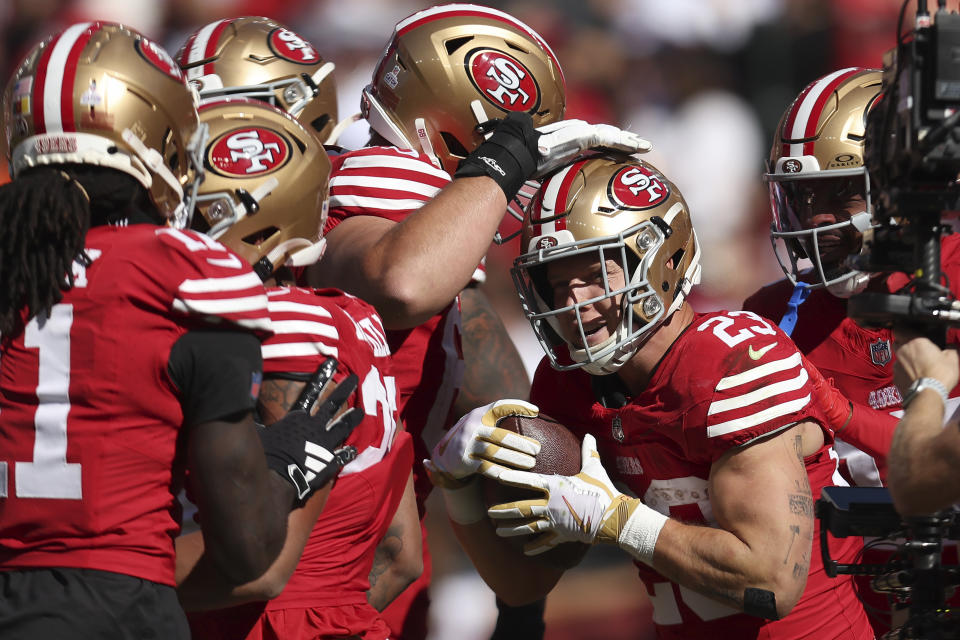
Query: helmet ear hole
[(455, 43), (454, 146), (319, 123), (259, 237)]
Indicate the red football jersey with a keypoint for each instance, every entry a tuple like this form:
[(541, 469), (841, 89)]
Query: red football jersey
[(859, 360), (89, 416), (391, 183), (326, 595), (729, 379)]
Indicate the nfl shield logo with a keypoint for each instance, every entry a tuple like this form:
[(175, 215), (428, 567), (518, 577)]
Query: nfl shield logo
[(880, 352), (617, 429)]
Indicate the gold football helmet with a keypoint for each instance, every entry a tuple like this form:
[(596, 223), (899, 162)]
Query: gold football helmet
[(819, 186), (612, 207), (259, 58), (450, 67), (265, 193), (100, 93)]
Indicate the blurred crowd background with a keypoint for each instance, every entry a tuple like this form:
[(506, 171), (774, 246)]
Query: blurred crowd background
[(705, 80)]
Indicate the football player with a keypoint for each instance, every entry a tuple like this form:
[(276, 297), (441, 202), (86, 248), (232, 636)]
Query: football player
[(131, 349), (708, 420), (819, 197), (265, 197), (445, 71)]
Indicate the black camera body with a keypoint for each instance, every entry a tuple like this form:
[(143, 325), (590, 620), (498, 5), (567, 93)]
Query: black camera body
[(915, 574), (912, 154)]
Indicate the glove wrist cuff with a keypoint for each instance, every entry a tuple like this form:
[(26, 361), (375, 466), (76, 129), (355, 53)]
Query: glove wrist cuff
[(465, 504), (639, 534)]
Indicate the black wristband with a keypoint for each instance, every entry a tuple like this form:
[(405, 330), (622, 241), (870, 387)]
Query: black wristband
[(509, 156), (760, 603)]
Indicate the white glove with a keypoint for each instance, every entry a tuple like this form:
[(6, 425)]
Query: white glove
[(474, 445), (562, 141), (583, 508), (475, 442)]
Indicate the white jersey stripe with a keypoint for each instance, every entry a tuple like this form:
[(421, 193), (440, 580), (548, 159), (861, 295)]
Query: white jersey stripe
[(805, 110), (53, 84), (754, 419), (759, 395), (287, 327), (759, 372), (383, 204), (213, 285), (392, 162), (258, 324), (282, 306), (297, 349), (221, 306), (393, 184)]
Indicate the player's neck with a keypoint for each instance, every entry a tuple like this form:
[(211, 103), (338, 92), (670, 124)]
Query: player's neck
[(637, 371)]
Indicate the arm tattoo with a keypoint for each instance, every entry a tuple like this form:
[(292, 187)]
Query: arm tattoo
[(801, 504), (276, 397), (794, 532), (383, 558), (494, 369)]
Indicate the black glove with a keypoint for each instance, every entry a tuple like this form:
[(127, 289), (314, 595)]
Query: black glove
[(305, 449), (509, 156)]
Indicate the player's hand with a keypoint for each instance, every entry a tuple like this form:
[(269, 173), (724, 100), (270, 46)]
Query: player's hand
[(918, 357), (475, 444), (304, 446), (583, 508), (560, 142)]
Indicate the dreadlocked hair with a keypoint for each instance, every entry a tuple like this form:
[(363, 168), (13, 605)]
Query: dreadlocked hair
[(44, 214)]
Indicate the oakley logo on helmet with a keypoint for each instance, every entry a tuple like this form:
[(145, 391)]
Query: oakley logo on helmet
[(792, 166), (637, 188), (290, 46), (248, 152), (503, 80), (158, 57)]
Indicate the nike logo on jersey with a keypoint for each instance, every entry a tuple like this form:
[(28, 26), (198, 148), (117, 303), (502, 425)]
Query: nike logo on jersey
[(756, 354), (584, 526)]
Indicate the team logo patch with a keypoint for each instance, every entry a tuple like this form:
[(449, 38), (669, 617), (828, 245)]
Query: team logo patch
[(503, 80), (792, 166), (637, 188), (616, 429), (246, 152), (158, 57), (547, 242), (880, 353), (289, 46)]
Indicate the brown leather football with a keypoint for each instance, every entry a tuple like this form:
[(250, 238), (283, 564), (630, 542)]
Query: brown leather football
[(560, 455)]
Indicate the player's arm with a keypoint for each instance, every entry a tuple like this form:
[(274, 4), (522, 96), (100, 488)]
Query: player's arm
[(494, 368), (398, 560), (410, 270), (243, 504), (761, 499)]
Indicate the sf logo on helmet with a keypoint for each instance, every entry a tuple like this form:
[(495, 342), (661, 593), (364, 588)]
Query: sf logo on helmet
[(637, 188), (158, 57), (503, 80), (249, 151), (290, 46)]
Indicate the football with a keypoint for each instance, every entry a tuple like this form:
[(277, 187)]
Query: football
[(560, 455)]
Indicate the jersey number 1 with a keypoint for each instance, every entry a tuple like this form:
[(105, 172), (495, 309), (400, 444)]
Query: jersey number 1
[(49, 475)]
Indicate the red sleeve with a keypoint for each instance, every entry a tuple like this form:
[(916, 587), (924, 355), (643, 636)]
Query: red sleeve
[(213, 285), (385, 182)]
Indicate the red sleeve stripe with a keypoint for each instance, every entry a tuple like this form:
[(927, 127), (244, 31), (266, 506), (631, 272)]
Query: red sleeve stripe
[(752, 420), (782, 387), (277, 351), (762, 371), (392, 184)]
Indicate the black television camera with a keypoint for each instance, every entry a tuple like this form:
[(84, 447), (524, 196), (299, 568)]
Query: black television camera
[(912, 154), (914, 577)]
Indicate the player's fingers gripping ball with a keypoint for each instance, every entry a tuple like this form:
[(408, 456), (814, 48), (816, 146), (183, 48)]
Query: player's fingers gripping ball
[(475, 444)]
